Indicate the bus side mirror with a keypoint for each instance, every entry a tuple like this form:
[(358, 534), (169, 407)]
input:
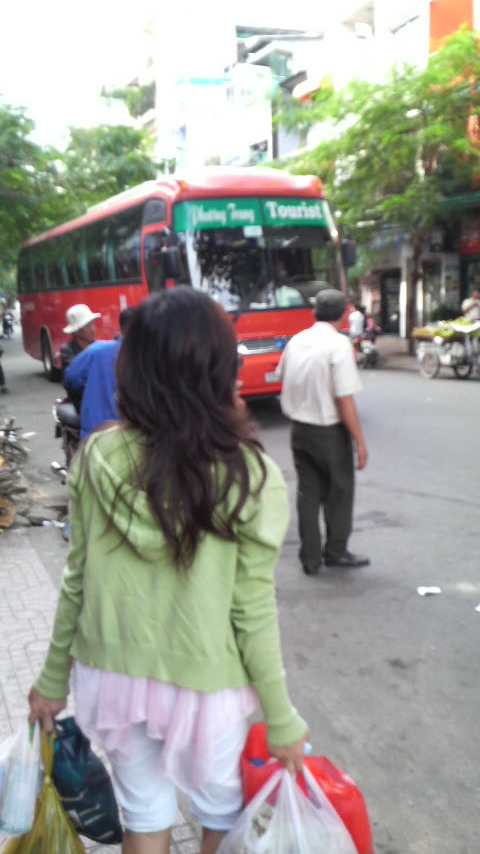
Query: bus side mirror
[(349, 253), (171, 262)]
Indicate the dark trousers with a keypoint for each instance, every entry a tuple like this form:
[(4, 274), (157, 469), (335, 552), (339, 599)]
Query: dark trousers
[(323, 458)]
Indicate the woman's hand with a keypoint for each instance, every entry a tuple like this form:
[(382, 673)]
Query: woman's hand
[(43, 709), (290, 755)]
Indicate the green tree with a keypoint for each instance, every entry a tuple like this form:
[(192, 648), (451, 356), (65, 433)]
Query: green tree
[(395, 151), (137, 98), (41, 187), (29, 196), (103, 161)]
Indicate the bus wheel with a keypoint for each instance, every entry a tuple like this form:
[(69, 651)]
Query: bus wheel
[(51, 372)]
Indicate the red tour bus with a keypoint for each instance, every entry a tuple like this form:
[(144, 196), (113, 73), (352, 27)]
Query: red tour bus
[(260, 241)]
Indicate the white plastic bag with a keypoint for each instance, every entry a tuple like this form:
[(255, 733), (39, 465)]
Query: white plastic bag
[(280, 819), (19, 778)]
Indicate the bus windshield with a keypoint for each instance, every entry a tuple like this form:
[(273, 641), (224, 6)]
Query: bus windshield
[(261, 266)]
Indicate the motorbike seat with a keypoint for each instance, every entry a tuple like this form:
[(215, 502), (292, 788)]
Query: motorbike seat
[(67, 414)]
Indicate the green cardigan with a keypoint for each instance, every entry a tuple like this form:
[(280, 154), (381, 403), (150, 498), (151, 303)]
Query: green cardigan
[(124, 608)]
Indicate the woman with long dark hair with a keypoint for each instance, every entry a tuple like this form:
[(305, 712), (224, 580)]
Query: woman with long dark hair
[(167, 619)]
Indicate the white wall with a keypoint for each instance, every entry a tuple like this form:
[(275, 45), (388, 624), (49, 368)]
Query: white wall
[(247, 113), (476, 14), (190, 40), (402, 31)]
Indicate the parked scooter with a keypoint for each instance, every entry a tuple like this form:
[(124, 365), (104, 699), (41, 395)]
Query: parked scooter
[(67, 428), (7, 324), (366, 351)]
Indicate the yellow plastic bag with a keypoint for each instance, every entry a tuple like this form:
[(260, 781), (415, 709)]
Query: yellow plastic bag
[(52, 831)]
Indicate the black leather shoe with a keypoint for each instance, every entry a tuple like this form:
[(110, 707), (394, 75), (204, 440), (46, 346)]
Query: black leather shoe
[(311, 570), (347, 561)]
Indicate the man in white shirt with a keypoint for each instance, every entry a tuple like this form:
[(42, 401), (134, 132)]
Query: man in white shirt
[(356, 323), (471, 306), (320, 378)]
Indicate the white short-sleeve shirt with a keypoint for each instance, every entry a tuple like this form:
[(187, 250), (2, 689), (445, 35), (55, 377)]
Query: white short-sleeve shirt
[(356, 322), (470, 309), (317, 366)]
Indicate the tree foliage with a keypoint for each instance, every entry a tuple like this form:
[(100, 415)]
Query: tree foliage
[(103, 161), (29, 199), (137, 98), (395, 151), (406, 134), (41, 187)]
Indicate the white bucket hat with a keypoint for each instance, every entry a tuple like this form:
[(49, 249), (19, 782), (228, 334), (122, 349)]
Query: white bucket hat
[(78, 316)]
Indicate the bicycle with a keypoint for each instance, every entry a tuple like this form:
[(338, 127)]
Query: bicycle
[(11, 448)]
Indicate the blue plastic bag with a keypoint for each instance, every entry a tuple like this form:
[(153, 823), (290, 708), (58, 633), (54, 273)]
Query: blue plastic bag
[(84, 785)]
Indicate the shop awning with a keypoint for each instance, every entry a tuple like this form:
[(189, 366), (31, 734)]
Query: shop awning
[(462, 200)]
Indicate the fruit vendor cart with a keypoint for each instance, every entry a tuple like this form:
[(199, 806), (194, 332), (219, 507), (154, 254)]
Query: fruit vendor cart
[(450, 343)]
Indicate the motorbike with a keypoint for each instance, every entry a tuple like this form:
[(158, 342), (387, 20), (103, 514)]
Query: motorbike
[(67, 428), (7, 324), (459, 351), (366, 351), (12, 449)]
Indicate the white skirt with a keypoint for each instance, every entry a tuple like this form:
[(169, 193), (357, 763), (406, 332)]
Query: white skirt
[(187, 721)]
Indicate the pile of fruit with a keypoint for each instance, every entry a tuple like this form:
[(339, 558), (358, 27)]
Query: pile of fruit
[(442, 328)]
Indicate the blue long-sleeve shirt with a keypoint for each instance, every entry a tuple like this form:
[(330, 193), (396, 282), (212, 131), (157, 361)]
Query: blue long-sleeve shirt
[(92, 373)]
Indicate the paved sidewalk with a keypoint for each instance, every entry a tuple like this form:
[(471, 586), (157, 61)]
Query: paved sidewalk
[(394, 353), (27, 604)]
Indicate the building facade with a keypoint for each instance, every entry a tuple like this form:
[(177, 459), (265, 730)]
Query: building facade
[(215, 103)]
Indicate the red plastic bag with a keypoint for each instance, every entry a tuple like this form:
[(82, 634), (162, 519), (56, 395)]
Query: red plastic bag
[(340, 789)]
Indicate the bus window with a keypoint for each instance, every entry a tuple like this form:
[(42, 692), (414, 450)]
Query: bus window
[(125, 236), (39, 269), (74, 259), (96, 249), (154, 261), (181, 243), (155, 210), (25, 284), (110, 258), (302, 260), (56, 270)]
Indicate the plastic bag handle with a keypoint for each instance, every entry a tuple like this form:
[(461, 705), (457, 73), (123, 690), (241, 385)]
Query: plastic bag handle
[(266, 790), (327, 806), (283, 778), (47, 740)]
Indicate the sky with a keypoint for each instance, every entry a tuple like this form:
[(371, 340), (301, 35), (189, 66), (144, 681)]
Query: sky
[(55, 55)]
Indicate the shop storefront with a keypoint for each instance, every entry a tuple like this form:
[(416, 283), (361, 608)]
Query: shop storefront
[(438, 291), (470, 256)]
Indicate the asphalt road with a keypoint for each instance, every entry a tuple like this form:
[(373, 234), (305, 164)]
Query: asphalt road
[(388, 680)]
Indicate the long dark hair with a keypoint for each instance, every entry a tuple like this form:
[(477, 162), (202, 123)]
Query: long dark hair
[(176, 384)]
